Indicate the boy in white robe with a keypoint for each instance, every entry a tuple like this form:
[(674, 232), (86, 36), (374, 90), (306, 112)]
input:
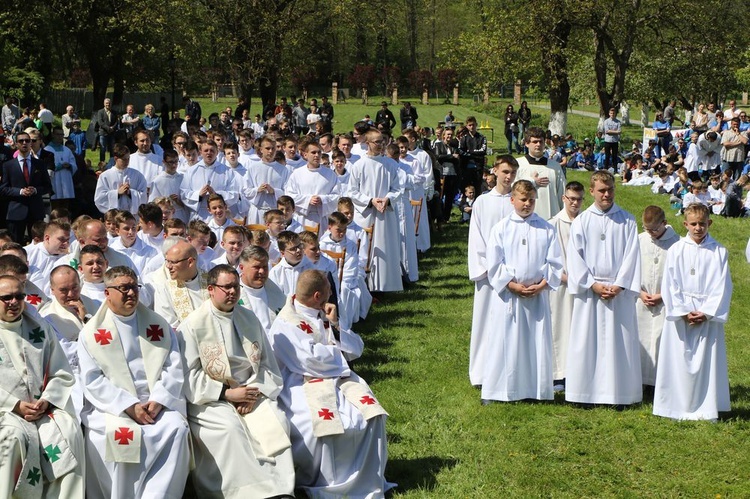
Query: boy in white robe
[(488, 210), (654, 242), (219, 215), (604, 276), (335, 239), (424, 186), (42, 257), (355, 233), (92, 266), (293, 262), (167, 184), (120, 187), (259, 294), (337, 425), (240, 436), (285, 204), (523, 260), (134, 410), (233, 241), (208, 177), (692, 380), (152, 225), (374, 189), (266, 181), (143, 160), (313, 188), (404, 210), (129, 244), (43, 451), (561, 302)]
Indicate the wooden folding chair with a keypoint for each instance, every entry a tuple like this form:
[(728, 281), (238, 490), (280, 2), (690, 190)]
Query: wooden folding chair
[(340, 258), (370, 232), (416, 208), (256, 227), (239, 221), (315, 229)]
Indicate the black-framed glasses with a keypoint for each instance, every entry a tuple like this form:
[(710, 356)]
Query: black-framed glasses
[(126, 288), (175, 262), (228, 287), (11, 297)]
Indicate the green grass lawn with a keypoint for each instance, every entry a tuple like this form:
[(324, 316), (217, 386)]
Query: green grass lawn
[(443, 443)]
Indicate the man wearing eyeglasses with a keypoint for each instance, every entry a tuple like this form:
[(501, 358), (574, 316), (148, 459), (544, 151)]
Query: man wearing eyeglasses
[(24, 181), (232, 380), (35, 398), (134, 411), (182, 288)]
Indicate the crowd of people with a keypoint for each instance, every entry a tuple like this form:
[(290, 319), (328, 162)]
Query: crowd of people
[(191, 300), (586, 305)]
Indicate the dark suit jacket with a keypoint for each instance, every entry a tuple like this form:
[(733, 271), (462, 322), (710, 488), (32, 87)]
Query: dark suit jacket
[(11, 183), (107, 126)]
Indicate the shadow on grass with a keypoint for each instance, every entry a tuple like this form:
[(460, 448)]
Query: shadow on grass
[(417, 474), (740, 398)]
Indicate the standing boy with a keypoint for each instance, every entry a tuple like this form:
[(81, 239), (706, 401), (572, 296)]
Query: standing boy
[(489, 209), (523, 260), (561, 301), (604, 276), (657, 237), (692, 380)]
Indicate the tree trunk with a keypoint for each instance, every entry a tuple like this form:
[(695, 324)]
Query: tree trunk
[(600, 71), (411, 26), (118, 80), (555, 66)]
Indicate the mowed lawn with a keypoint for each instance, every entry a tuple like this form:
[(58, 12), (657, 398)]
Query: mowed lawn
[(444, 444)]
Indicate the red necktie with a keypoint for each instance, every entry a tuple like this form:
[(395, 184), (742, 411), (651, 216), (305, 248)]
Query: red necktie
[(26, 170)]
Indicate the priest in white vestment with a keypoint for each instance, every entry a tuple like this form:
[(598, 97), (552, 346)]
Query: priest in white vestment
[(240, 436), (487, 210), (546, 174), (604, 277), (560, 300), (654, 242), (208, 177), (258, 293), (134, 410), (68, 311), (313, 189), (691, 379), (374, 190), (182, 288), (43, 450), (143, 160), (120, 187), (337, 424), (523, 261)]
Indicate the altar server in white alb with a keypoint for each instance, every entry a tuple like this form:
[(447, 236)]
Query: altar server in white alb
[(265, 182), (604, 276), (313, 188), (692, 380), (120, 187), (488, 210), (43, 453), (337, 424), (134, 411), (654, 242), (523, 262), (374, 189), (208, 177), (560, 301), (240, 436)]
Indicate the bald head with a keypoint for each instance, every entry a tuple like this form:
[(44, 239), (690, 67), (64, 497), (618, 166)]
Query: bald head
[(95, 232), (182, 261)]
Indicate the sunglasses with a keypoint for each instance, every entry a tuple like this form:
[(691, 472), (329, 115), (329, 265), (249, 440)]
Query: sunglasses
[(23, 141), (11, 297)]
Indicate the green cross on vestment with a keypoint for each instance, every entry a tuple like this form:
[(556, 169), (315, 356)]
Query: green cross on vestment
[(34, 476), (241, 302), (37, 335), (52, 453), (74, 263)]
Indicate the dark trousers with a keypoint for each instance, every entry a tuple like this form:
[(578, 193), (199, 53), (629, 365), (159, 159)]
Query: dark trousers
[(106, 142), (450, 189), (611, 151)]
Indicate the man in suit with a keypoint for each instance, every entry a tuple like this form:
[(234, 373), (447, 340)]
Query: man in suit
[(24, 181), (107, 121)]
